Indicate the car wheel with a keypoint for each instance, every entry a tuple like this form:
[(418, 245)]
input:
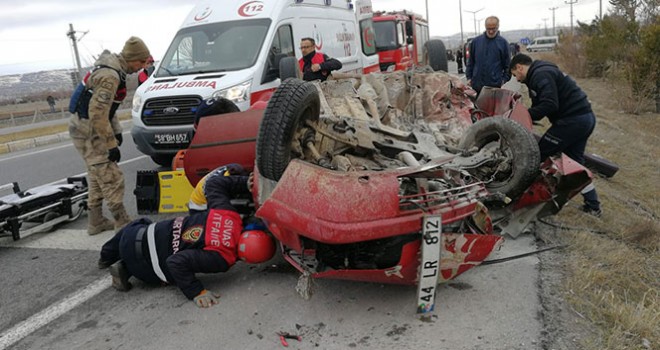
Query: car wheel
[(292, 103), (516, 153), (289, 68), (163, 159), (436, 55)]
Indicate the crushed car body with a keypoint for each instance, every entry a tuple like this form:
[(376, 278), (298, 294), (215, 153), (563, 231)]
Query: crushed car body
[(349, 168)]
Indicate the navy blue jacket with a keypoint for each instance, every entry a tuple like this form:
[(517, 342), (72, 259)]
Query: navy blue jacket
[(191, 257), (488, 64), (554, 94)]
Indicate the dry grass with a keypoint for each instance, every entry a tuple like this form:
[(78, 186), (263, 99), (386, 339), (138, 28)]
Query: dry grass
[(613, 278)]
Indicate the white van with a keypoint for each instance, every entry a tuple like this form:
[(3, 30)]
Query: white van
[(233, 49), (543, 43)]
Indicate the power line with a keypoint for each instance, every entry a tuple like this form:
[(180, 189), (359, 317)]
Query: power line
[(474, 17)]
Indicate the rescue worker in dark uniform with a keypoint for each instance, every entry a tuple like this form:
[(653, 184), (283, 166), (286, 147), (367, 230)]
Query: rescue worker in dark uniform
[(315, 65), (556, 96), (172, 251), (198, 198)]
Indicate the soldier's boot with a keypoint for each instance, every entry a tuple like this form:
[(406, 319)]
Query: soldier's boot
[(120, 276), (121, 216), (97, 222)]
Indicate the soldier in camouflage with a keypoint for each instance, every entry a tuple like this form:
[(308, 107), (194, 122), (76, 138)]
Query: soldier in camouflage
[(96, 134)]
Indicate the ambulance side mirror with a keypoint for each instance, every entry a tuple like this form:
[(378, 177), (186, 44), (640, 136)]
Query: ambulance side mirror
[(289, 68), (272, 71)]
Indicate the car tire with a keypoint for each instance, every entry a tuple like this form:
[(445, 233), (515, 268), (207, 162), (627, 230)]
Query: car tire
[(437, 55), (163, 159), (517, 144), (293, 102), (289, 68)]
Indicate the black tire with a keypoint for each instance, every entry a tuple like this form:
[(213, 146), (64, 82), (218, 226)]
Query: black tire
[(289, 68), (516, 143), (437, 55), (293, 102), (163, 159)]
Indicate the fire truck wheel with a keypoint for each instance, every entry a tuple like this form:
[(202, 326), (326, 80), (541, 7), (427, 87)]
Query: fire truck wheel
[(514, 151), (293, 102), (436, 55), (289, 68)]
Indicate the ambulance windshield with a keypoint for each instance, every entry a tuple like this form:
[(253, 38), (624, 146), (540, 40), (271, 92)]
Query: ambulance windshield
[(215, 47)]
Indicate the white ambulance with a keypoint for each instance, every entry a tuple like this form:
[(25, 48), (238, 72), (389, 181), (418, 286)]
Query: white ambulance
[(233, 49)]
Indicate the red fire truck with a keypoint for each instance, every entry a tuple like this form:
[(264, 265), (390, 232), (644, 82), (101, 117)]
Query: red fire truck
[(402, 41)]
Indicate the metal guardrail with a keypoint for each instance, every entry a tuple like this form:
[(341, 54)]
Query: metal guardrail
[(35, 117)]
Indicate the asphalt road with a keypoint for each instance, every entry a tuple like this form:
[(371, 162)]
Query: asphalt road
[(54, 297)]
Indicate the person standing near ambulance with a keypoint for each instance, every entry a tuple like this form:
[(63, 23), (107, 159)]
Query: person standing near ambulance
[(315, 65), (94, 136), (172, 251)]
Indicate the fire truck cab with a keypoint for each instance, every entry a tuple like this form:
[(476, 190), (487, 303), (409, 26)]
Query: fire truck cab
[(402, 42)]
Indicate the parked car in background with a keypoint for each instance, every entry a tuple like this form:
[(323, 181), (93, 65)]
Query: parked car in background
[(543, 43)]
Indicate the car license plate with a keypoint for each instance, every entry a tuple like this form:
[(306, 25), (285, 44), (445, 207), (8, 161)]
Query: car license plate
[(429, 271), (171, 138)]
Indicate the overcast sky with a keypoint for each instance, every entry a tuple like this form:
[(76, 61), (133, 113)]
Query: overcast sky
[(33, 32)]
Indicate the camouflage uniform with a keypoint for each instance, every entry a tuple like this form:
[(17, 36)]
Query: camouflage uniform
[(94, 136)]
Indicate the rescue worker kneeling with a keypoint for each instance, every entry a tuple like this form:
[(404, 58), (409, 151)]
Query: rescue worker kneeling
[(172, 251)]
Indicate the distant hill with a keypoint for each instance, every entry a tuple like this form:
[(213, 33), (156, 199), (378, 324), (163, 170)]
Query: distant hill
[(18, 87), (59, 83)]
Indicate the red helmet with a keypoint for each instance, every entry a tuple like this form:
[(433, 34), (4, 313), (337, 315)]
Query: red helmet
[(255, 246)]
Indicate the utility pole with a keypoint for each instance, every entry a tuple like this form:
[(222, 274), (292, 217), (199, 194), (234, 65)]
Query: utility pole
[(428, 20), (553, 19), (545, 26), (72, 35), (479, 22), (600, 10), (474, 17), (460, 14), (571, 2)]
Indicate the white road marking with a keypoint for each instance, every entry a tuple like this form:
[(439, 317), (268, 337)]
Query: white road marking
[(66, 239), (60, 239), (48, 149), (25, 328), (36, 152)]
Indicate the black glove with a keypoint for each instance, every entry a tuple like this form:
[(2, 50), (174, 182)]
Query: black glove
[(120, 139), (114, 155)]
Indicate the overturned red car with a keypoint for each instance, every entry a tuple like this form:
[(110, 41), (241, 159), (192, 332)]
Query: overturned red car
[(372, 177)]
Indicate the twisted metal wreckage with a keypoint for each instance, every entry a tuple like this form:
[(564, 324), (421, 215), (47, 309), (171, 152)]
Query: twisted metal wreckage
[(389, 178)]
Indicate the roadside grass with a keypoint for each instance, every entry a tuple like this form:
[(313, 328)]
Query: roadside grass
[(612, 264), (49, 130)]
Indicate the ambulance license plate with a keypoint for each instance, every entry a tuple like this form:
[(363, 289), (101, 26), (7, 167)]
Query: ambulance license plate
[(171, 138), (429, 271)]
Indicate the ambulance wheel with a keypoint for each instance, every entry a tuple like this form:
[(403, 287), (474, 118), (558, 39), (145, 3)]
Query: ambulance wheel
[(292, 103), (436, 55), (162, 159), (289, 68), (515, 156)]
